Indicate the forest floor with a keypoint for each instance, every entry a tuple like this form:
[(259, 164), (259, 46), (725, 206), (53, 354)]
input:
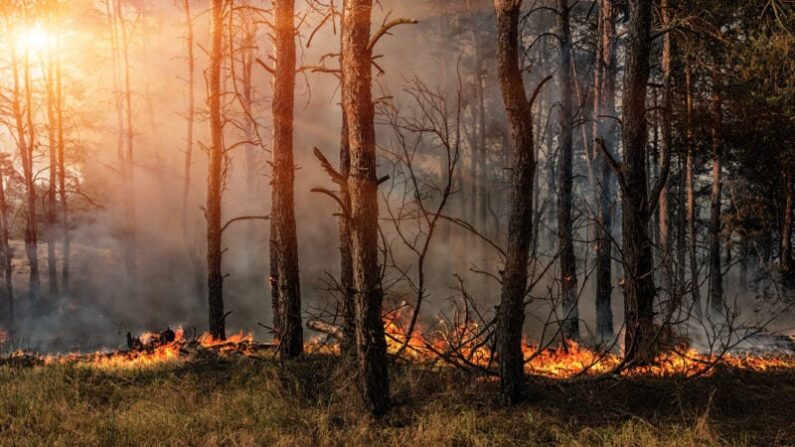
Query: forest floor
[(313, 402)]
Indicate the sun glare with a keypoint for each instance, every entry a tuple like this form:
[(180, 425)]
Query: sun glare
[(33, 39)]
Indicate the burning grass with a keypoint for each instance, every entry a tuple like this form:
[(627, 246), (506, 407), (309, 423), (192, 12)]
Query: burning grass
[(168, 388)]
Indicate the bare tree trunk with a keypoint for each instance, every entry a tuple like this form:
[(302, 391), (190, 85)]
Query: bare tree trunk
[(52, 187), (510, 315), (193, 252), (26, 138), (346, 261), (64, 217), (605, 128), (666, 253), (715, 272), (568, 263), (285, 285), (128, 167), (7, 257), (363, 189), (691, 198), (215, 177), (639, 290), (787, 263)]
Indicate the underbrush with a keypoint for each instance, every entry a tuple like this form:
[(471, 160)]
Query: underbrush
[(313, 402)]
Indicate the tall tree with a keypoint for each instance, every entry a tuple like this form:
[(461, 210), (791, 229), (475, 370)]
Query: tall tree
[(638, 203), (692, 215), (26, 140), (362, 185), (510, 315), (215, 170), (285, 285), (715, 272), (605, 129), (568, 263), (663, 219)]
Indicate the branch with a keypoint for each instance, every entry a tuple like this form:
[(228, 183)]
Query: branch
[(238, 219), (265, 66), (538, 90), (336, 177), (665, 170), (618, 168), (385, 27)]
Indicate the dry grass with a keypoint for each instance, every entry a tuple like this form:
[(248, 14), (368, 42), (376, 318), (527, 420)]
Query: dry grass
[(311, 403)]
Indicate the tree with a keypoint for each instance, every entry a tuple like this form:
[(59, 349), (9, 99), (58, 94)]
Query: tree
[(638, 202), (215, 170), (568, 263), (605, 129), (285, 285), (510, 314), (362, 184)]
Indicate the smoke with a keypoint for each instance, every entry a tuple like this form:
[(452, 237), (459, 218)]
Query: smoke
[(102, 305)]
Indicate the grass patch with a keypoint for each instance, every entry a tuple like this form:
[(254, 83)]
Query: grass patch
[(314, 403)]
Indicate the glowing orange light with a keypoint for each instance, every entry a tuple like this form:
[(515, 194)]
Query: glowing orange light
[(34, 39)]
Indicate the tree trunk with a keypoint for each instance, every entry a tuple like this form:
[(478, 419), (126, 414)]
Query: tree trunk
[(666, 253), (215, 277), (7, 257), (715, 273), (510, 316), (285, 285), (346, 263), (605, 128), (128, 167), (26, 139), (52, 187), (787, 263), (64, 217), (691, 198), (639, 290), (568, 263), (363, 188)]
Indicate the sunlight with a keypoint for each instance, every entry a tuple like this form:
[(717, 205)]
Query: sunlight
[(35, 39)]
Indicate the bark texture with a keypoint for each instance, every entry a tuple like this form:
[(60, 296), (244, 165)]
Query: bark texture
[(715, 273), (639, 290), (510, 316), (284, 279), (363, 188), (604, 110), (568, 263), (215, 277)]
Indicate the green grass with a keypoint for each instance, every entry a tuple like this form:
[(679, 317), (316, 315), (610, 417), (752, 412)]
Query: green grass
[(313, 403)]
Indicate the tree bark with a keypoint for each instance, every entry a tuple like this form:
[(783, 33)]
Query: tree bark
[(7, 257), (691, 198), (215, 277), (64, 210), (363, 188), (639, 290), (787, 263), (284, 279), (663, 219), (510, 315), (26, 139), (568, 263), (715, 272), (605, 128), (52, 186)]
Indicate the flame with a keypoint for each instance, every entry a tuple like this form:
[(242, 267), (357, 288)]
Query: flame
[(464, 345)]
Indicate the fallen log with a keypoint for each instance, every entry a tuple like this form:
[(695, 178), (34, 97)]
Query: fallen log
[(326, 328)]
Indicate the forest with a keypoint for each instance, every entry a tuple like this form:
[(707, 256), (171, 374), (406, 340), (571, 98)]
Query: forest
[(397, 222)]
